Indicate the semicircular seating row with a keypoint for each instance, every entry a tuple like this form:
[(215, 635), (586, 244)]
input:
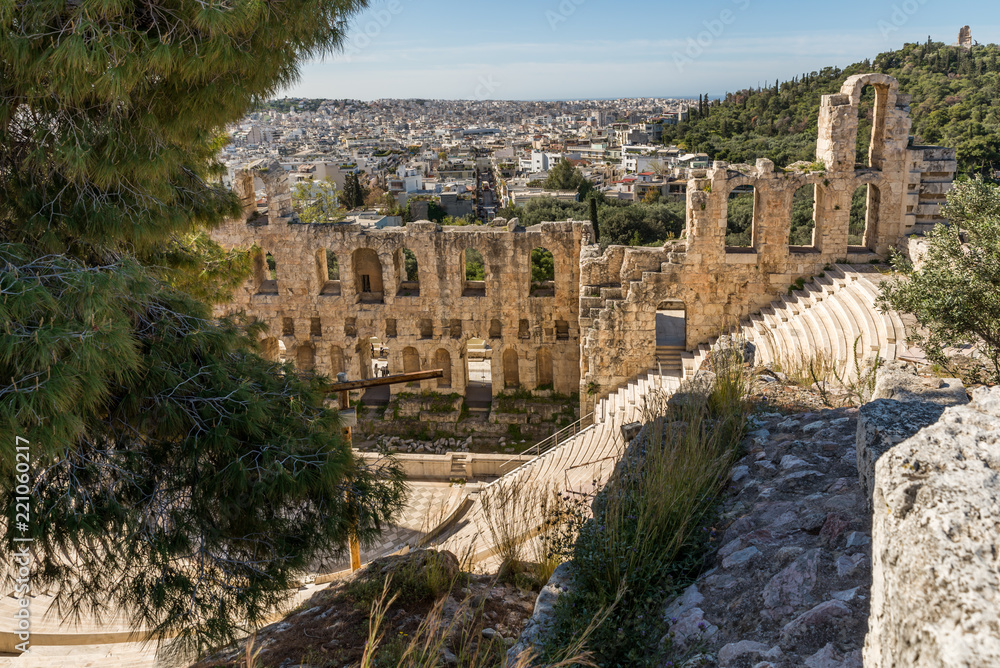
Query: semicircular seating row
[(579, 465), (832, 319)]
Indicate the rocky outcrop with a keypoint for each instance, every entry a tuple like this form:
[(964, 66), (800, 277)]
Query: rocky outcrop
[(788, 584), (936, 543), (543, 617), (902, 404)]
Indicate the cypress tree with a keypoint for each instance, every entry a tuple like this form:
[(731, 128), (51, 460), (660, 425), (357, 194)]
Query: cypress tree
[(176, 473), (593, 218)]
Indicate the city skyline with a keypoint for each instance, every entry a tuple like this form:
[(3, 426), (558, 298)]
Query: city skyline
[(592, 49)]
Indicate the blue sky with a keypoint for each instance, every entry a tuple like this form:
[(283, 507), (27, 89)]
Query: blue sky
[(572, 49)]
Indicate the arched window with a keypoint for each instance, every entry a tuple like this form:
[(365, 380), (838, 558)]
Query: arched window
[(305, 357), (269, 349), (543, 273), (411, 360), (511, 372), (328, 269), (368, 276), (740, 212), (442, 360), (408, 272), (801, 232), (543, 369), (475, 273), (337, 361)]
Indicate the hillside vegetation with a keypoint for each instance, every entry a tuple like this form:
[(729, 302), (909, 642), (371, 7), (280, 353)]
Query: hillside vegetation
[(954, 93)]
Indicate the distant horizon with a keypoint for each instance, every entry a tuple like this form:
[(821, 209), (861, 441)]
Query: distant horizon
[(561, 50)]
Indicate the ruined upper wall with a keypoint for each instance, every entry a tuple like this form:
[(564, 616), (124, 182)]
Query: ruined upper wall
[(326, 324)]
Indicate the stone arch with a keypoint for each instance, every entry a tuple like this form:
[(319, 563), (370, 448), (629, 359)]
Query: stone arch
[(886, 90), (543, 273), (442, 360), (368, 275), (511, 370), (269, 349), (337, 361), (411, 360), (802, 224), (544, 377), (408, 271), (305, 357)]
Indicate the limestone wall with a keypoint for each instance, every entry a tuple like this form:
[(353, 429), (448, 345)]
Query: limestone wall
[(325, 324), (719, 285), (936, 543)]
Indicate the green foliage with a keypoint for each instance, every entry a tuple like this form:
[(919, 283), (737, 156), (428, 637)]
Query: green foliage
[(955, 295), (332, 267), (859, 217), (803, 221), (564, 176), (354, 191), (410, 266), (543, 266), (739, 220), (190, 480), (650, 527), (952, 91), (620, 222), (475, 268), (317, 202)]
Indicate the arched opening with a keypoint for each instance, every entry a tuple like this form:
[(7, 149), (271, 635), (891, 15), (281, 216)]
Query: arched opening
[(671, 336), (740, 211), (862, 231), (266, 274), (378, 354), (282, 351), (411, 363), (411, 360), (801, 232), (511, 370), (374, 364), (328, 269), (269, 349), (872, 111), (475, 273), (442, 360), (543, 369), (479, 367), (305, 357), (337, 361), (408, 272), (543, 273), (368, 276)]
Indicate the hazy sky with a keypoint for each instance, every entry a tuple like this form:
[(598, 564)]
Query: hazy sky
[(567, 49)]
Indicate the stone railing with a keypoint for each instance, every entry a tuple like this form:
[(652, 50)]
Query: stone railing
[(930, 463)]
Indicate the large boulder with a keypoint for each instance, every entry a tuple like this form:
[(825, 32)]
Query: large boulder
[(900, 382), (935, 598)]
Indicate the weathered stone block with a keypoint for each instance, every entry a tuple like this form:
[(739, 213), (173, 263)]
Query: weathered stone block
[(936, 544)]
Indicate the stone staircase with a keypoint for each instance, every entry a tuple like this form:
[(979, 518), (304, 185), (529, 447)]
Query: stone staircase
[(834, 318), (670, 359)]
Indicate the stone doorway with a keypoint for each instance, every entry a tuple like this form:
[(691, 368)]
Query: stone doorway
[(479, 366), (671, 337), (377, 356)]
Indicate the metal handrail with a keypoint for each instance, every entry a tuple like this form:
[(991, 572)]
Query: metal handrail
[(550, 442)]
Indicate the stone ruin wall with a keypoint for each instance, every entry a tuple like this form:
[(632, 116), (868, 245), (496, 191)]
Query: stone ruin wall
[(326, 325), (718, 286), (604, 303)]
